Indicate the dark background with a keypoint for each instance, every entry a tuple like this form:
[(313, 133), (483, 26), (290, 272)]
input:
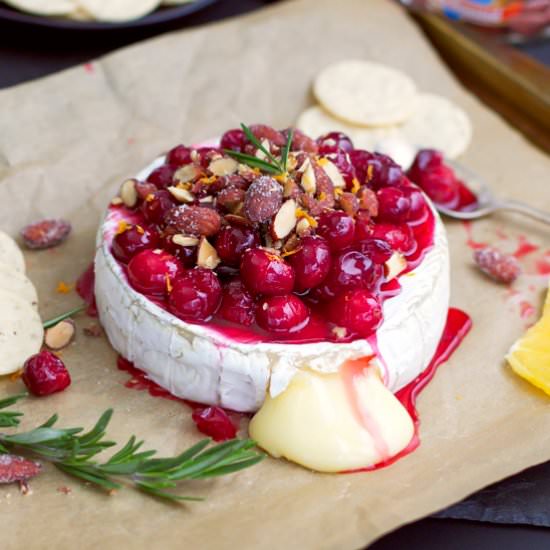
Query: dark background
[(28, 52)]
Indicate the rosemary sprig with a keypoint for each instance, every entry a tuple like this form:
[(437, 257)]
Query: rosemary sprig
[(72, 451), (52, 322), (270, 164)]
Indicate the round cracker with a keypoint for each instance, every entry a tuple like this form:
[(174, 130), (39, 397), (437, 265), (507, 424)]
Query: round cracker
[(438, 124), (10, 253), (43, 7), (366, 93), (17, 283), (21, 332), (118, 10)]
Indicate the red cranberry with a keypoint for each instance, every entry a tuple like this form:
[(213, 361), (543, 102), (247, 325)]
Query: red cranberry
[(195, 295), (337, 228), (234, 139), (334, 142), (179, 156), (135, 239), (425, 159), (301, 141), (187, 255), (363, 226), (232, 241), (207, 154), (356, 310), (281, 313), (44, 374), (394, 205), (375, 169), (261, 132), (419, 207), (311, 263), (214, 422), (266, 273), (237, 304), (399, 237), (150, 271), (156, 206), (162, 176), (377, 250)]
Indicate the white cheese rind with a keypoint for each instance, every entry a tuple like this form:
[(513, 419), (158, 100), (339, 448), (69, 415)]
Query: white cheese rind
[(196, 362)]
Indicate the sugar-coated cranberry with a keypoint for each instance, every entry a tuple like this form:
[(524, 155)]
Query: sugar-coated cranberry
[(45, 373), (394, 204), (135, 239), (237, 304), (350, 269), (266, 273), (178, 156), (155, 207), (162, 176), (357, 310), (234, 139), (399, 237), (311, 263), (152, 271), (281, 313), (376, 169), (195, 295), (214, 422), (232, 241), (337, 228), (333, 142), (377, 250)]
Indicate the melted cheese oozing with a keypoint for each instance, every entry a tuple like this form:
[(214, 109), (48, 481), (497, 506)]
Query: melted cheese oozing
[(334, 422)]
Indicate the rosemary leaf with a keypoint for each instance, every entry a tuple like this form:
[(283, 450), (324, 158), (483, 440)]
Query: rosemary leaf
[(52, 322), (255, 141), (252, 161), (286, 150)]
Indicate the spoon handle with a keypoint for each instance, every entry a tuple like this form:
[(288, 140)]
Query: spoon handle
[(518, 206)]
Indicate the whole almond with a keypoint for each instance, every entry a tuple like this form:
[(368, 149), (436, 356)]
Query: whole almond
[(230, 197), (349, 203), (263, 199), (128, 193), (194, 220)]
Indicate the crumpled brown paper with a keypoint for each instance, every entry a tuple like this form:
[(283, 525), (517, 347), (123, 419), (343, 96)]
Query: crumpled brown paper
[(65, 144)]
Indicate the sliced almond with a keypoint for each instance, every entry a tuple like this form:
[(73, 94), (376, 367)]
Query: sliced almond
[(128, 193), (116, 201), (207, 255), (291, 162), (303, 227), (331, 170), (181, 195), (61, 335), (267, 146), (395, 265), (284, 221), (207, 199), (223, 166), (184, 240), (309, 181), (187, 173)]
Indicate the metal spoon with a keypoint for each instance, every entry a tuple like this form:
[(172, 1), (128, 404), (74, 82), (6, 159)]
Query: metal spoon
[(487, 203)]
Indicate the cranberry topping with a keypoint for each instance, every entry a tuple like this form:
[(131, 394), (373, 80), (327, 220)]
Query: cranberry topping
[(375, 169), (152, 271), (45, 373), (156, 206), (394, 205), (214, 422), (234, 139), (162, 176), (357, 310), (187, 255), (133, 240), (178, 156), (334, 142), (399, 237), (262, 131), (232, 241), (377, 250), (311, 262), (195, 295), (281, 313), (266, 273), (300, 141), (337, 228), (237, 304)]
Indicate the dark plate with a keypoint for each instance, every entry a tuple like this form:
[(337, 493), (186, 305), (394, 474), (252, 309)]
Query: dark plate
[(158, 17)]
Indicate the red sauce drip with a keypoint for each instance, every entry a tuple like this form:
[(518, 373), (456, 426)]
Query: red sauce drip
[(543, 267), (85, 288), (474, 245), (524, 247)]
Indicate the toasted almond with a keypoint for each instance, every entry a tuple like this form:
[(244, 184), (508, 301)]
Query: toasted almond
[(181, 195), (285, 220), (309, 181), (187, 173), (128, 193), (303, 227), (331, 170), (207, 199), (61, 335), (223, 166), (395, 265), (116, 201), (185, 240), (207, 255)]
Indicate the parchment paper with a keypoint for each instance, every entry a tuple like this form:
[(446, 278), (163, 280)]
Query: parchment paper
[(65, 144)]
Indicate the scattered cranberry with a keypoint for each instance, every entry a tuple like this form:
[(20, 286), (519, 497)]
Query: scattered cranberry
[(16, 468), (195, 295), (215, 423), (45, 233), (375, 169), (356, 310), (152, 271), (232, 241), (179, 156), (156, 206), (334, 142), (266, 273), (135, 239), (44, 374), (237, 304), (162, 176), (281, 313), (311, 263), (234, 139), (394, 205), (399, 237), (377, 250), (501, 267), (337, 228)]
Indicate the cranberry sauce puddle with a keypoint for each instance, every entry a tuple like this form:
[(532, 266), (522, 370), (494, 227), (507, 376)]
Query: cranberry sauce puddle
[(85, 289), (456, 328)]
